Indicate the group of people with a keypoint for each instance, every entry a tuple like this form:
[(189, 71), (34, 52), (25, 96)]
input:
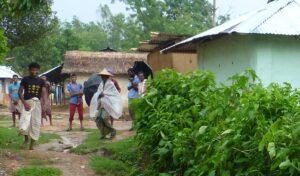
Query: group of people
[(30, 101)]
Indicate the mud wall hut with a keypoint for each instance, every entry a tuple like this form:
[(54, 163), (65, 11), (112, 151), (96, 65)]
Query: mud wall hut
[(84, 64), (182, 60)]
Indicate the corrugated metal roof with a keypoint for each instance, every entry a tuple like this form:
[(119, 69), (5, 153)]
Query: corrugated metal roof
[(7, 72), (281, 17)]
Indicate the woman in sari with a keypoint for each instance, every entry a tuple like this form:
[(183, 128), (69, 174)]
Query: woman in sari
[(103, 117)]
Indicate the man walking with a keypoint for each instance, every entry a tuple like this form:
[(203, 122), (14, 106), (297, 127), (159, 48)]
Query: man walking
[(46, 103), (14, 107), (31, 90), (76, 91)]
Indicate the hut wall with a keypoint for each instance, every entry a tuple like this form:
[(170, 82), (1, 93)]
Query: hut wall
[(181, 62), (159, 61), (227, 56), (184, 62)]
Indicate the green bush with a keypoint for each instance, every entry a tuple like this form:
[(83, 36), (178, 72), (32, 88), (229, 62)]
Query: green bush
[(38, 171), (187, 125)]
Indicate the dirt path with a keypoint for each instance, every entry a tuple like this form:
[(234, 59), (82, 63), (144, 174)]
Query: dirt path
[(55, 153)]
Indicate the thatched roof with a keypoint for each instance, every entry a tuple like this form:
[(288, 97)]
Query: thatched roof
[(93, 62), (160, 41)]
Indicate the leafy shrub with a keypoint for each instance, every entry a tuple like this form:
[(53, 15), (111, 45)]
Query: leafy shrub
[(38, 171), (191, 126)]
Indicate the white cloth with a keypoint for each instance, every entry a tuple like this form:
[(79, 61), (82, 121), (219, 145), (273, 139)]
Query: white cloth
[(30, 121), (15, 108), (111, 102), (142, 87)]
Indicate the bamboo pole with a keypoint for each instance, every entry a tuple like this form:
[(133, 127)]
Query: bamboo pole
[(214, 10)]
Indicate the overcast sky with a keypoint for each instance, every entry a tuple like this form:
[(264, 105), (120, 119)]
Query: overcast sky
[(86, 10)]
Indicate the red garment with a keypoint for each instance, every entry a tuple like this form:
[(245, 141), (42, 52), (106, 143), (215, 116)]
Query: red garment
[(73, 108), (116, 84)]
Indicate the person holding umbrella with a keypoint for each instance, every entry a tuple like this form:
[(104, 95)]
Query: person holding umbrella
[(106, 106)]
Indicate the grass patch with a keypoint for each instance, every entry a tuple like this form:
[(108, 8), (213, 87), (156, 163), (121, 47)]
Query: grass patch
[(38, 171), (10, 138), (122, 161), (90, 145), (39, 162), (108, 167), (5, 118), (47, 137), (124, 150)]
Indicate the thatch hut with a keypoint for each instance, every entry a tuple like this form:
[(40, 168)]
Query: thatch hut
[(85, 63)]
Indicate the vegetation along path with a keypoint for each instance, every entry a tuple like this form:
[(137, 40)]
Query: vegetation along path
[(70, 152)]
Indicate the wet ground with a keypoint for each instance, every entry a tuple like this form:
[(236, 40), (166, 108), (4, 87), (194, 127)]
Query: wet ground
[(56, 152)]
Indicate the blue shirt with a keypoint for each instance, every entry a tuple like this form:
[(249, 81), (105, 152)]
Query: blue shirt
[(132, 93), (14, 91), (74, 88)]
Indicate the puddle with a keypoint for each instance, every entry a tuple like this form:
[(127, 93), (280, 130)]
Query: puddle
[(68, 141), (2, 172)]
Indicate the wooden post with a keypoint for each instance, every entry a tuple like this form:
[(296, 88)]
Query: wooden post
[(214, 10), (64, 93)]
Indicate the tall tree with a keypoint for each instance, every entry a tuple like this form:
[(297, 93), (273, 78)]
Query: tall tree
[(18, 9), (23, 7), (26, 29), (48, 51), (93, 37), (172, 16), (122, 32), (3, 48)]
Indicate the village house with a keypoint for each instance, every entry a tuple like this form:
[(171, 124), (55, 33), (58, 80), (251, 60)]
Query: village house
[(266, 40), (58, 81), (6, 74), (84, 64), (182, 60)]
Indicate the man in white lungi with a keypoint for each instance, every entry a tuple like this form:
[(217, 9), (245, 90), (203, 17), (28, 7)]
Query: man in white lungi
[(31, 90)]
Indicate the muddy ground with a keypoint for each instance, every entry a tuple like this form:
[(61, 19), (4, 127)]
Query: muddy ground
[(56, 153)]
